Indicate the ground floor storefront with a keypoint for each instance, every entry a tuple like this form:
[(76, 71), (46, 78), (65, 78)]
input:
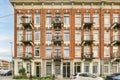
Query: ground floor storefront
[(66, 68)]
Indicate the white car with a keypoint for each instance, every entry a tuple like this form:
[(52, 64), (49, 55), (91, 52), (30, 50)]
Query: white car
[(86, 76)]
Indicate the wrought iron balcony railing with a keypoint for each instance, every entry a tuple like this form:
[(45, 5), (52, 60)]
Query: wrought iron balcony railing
[(27, 22), (87, 56), (87, 25), (57, 24), (27, 40), (87, 39), (57, 57), (115, 25), (57, 40), (116, 40), (115, 57), (27, 56)]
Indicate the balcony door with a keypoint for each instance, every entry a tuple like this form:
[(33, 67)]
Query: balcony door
[(57, 68)]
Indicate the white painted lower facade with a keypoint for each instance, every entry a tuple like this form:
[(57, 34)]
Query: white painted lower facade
[(49, 67)]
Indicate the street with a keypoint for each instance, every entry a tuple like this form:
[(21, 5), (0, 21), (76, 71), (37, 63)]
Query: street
[(6, 78)]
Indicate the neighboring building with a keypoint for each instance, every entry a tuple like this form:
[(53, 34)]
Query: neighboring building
[(4, 65), (67, 36)]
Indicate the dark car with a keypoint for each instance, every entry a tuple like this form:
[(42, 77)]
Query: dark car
[(115, 76), (9, 73)]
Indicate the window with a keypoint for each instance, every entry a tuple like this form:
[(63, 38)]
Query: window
[(66, 70), (77, 36), (115, 51), (115, 17), (28, 35), (37, 19), (86, 67), (57, 51), (107, 19), (66, 19), (95, 67), (29, 19), (37, 36), (86, 35), (48, 19), (95, 51), (48, 68), (86, 17), (95, 36), (28, 49), (37, 51), (19, 35), (77, 51), (115, 35), (19, 20), (19, 51), (106, 36), (20, 66), (106, 67), (77, 67), (77, 19), (66, 52), (96, 18), (48, 36), (66, 35), (28, 67), (106, 51), (114, 68), (58, 16), (87, 49), (48, 51)]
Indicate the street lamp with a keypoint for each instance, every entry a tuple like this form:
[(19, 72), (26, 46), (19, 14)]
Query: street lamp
[(12, 57)]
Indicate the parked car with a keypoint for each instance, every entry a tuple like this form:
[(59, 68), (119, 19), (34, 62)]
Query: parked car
[(115, 76), (8, 73), (86, 76)]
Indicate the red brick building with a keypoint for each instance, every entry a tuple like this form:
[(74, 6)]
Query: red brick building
[(67, 36)]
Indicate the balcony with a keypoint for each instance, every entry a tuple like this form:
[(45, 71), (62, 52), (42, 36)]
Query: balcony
[(115, 57), (88, 39), (57, 57), (87, 25), (116, 40), (57, 40), (27, 56), (87, 56), (28, 40), (115, 25), (27, 22), (57, 24)]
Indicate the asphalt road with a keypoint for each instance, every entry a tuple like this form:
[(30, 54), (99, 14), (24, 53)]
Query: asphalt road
[(6, 78)]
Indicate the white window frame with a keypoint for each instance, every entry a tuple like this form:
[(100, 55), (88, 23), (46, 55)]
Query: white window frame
[(37, 36), (77, 19), (115, 17), (66, 36), (77, 51), (48, 51), (66, 19), (86, 17), (37, 19), (48, 20), (95, 51), (48, 36), (96, 36), (19, 51), (66, 52), (37, 49), (77, 36), (19, 35), (106, 36), (107, 20), (96, 19), (19, 18), (106, 51)]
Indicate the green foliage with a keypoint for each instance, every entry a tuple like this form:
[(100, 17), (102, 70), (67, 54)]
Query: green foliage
[(22, 72)]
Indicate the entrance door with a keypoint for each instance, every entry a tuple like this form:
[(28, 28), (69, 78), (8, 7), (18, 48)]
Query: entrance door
[(66, 70), (57, 68), (38, 71)]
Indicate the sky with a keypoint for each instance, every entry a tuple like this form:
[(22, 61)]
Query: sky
[(6, 29)]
